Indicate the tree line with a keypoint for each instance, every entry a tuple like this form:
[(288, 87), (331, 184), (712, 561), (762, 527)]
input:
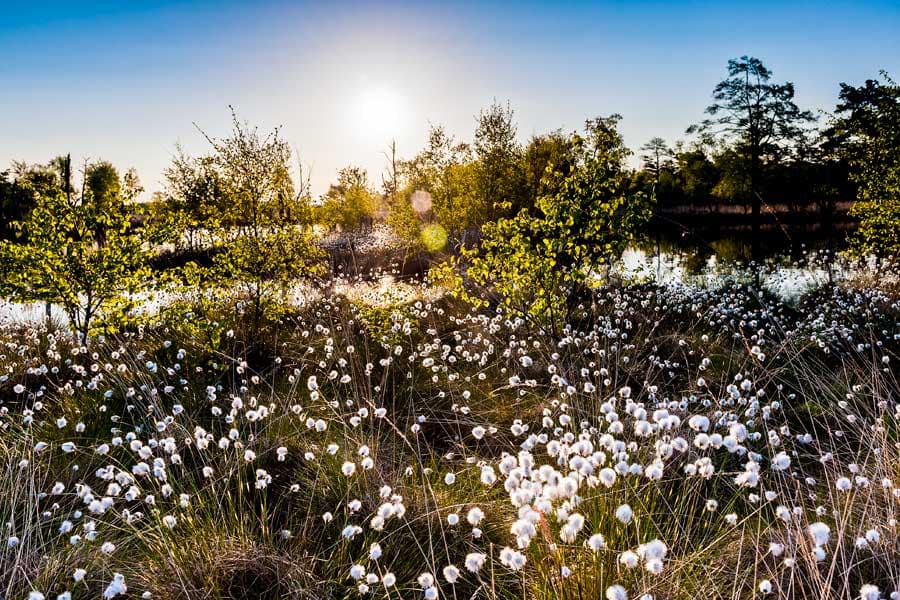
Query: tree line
[(557, 208), (755, 147)]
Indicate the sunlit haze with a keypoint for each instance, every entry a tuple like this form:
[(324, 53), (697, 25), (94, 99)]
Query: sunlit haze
[(126, 81)]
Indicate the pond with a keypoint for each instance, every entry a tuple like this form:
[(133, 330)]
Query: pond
[(788, 271)]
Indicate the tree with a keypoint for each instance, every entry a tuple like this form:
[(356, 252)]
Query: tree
[(102, 182), (16, 201), (21, 186), (447, 171), (538, 263), (349, 204), (759, 118), (61, 168), (473, 184), (460, 207), (733, 182), (498, 156), (83, 257), (404, 221), (195, 198), (390, 179), (51, 178), (551, 151), (866, 131), (401, 218), (697, 175), (656, 156), (131, 184), (264, 241)]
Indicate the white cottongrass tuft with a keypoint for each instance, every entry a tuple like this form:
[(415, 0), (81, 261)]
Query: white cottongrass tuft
[(819, 533), (474, 561), (616, 592), (116, 586), (870, 592), (624, 513)]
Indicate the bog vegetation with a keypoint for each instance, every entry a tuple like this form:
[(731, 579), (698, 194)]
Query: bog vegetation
[(446, 385)]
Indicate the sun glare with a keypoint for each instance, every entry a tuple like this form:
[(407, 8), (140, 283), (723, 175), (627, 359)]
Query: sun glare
[(379, 113)]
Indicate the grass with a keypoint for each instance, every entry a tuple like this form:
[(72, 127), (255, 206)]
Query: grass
[(213, 455)]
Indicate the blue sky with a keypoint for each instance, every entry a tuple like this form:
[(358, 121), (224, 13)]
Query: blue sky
[(127, 80)]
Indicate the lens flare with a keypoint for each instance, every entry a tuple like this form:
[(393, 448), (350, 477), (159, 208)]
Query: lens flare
[(434, 237)]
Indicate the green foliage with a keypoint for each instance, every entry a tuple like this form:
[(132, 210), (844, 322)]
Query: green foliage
[(697, 174), (688, 177), (458, 207), (350, 204), (21, 187), (499, 175), (447, 171), (867, 132), (734, 182), (400, 216), (471, 185), (86, 258), (879, 227), (195, 199), (554, 148), (537, 262), (262, 240), (16, 200), (101, 180), (405, 224)]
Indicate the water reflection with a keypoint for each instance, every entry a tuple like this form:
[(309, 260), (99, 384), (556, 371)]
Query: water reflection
[(788, 275)]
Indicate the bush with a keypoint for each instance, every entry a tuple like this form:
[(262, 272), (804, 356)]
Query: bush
[(539, 264)]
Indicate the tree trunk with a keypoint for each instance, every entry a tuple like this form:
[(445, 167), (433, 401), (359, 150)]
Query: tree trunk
[(756, 206), (756, 200)]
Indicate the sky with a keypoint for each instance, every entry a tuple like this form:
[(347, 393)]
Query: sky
[(128, 80)]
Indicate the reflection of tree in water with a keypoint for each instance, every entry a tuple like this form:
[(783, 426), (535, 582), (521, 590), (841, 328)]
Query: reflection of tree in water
[(667, 252), (730, 250), (692, 255), (694, 260)]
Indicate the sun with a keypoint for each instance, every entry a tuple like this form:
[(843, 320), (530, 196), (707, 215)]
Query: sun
[(379, 113)]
